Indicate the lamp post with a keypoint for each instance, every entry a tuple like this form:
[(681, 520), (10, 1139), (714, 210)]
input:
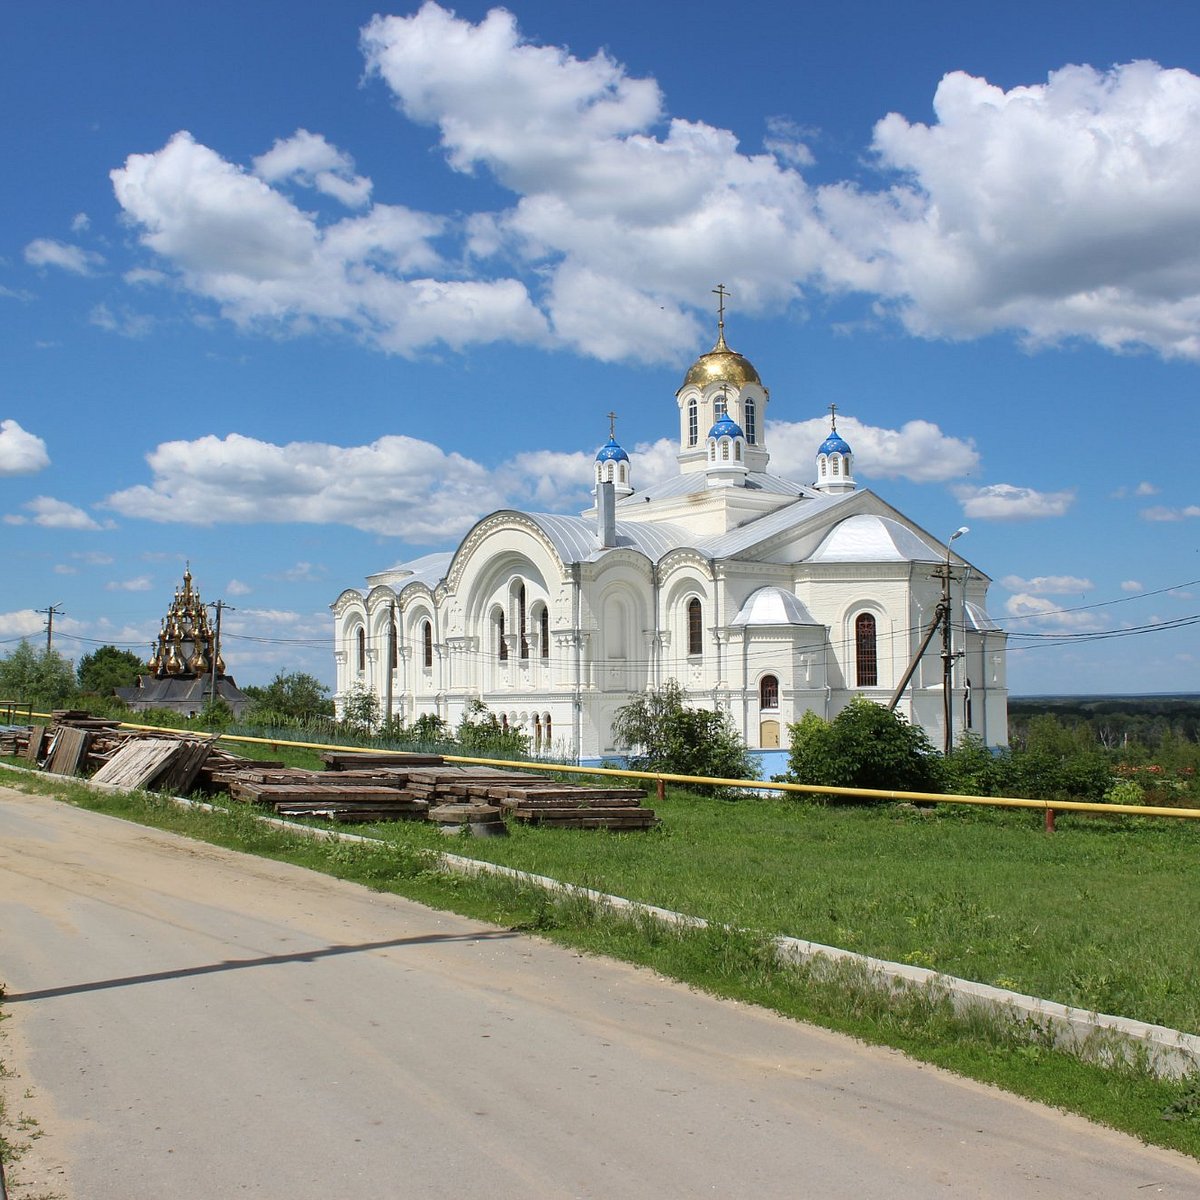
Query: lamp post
[(947, 646)]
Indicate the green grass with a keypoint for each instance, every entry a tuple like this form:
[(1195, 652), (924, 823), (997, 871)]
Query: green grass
[(987, 896)]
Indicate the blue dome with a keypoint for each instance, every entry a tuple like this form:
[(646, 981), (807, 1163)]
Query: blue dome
[(611, 452), (726, 427), (834, 444)]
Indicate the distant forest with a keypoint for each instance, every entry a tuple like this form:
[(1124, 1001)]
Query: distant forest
[(1114, 721)]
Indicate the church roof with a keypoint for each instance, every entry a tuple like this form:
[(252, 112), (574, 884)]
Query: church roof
[(834, 444), (773, 606), (867, 537), (695, 482), (977, 619), (429, 569), (574, 538), (720, 365), (611, 451), (726, 426)]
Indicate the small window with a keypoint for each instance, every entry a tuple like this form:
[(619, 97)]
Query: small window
[(695, 620), (768, 692), (522, 626), (725, 449), (750, 413), (547, 731), (427, 644), (822, 467), (693, 423), (393, 637), (501, 643), (866, 662), (737, 451), (361, 640), (545, 630)]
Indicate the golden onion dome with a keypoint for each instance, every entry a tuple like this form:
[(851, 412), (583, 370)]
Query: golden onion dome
[(721, 365)]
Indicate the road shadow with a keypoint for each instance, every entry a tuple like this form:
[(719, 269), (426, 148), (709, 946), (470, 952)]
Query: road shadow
[(241, 964)]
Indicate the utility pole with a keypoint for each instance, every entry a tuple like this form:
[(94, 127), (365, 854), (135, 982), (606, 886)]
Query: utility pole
[(948, 655), (218, 606), (50, 614)]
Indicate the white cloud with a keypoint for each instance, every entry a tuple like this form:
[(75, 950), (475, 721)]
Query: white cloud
[(1131, 585), (1048, 585), (125, 322), (1162, 513), (918, 450), (264, 262), (21, 452), (397, 486), (142, 583), (1006, 502), (235, 587), (1047, 614), (308, 159), (47, 252), (1146, 489), (1065, 209), (54, 514), (80, 223), (23, 623), (93, 558), (65, 569)]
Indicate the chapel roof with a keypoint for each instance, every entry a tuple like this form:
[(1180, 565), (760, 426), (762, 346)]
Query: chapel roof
[(721, 365), (867, 537), (773, 606)]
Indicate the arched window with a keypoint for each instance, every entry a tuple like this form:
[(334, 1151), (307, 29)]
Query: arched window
[(822, 467), (725, 449), (547, 730), (750, 415), (361, 641), (693, 423), (544, 620), (427, 644), (395, 642), (720, 404), (768, 692), (522, 625), (537, 733), (695, 619), (623, 476), (737, 451), (834, 463), (501, 643), (865, 658)]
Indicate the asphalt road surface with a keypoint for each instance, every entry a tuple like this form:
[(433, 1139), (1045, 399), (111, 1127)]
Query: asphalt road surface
[(189, 1022)]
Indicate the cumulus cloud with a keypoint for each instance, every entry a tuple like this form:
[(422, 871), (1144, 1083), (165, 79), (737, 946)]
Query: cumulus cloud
[(48, 252), (54, 514), (1006, 502), (1048, 585), (308, 159), (21, 452), (397, 485), (1131, 585), (142, 583), (1163, 513), (266, 263), (1063, 209), (235, 587), (1048, 615), (22, 623), (917, 451)]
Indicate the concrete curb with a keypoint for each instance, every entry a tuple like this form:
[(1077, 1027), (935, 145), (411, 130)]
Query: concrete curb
[(1097, 1037)]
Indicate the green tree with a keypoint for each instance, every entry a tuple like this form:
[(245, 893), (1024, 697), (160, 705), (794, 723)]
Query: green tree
[(360, 710), (480, 733), (294, 697), (107, 668), (864, 746), (43, 678), (663, 734)]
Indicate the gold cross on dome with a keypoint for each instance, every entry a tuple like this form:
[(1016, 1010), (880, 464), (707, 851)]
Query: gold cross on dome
[(720, 292)]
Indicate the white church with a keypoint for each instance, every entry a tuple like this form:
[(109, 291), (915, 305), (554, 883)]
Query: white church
[(763, 596)]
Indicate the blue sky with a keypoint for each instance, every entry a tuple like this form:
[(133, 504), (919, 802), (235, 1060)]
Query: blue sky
[(294, 292)]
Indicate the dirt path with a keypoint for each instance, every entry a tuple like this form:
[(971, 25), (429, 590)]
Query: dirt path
[(193, 1022)]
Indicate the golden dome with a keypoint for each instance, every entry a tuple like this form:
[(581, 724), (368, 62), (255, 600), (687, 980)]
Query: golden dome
[(721, 365)]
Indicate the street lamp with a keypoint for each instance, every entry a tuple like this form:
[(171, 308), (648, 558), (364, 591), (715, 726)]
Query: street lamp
[(947, 646)]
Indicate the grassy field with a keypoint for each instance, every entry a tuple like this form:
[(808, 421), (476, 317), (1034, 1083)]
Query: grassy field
[(1100, 914)]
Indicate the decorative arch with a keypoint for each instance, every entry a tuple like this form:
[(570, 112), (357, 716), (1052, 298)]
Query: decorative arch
[(768, 692)]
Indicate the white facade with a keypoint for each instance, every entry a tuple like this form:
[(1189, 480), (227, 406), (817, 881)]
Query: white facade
[(762, 596)]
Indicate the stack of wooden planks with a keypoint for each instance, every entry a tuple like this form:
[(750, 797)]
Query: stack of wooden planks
[(341, 796), (531, 798), (354, 787)]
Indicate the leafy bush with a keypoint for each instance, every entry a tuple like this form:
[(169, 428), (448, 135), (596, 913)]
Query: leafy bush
[(43, 678), (107, 668), (864, 746), (664, 734)]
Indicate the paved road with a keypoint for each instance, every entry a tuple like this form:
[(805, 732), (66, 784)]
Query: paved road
[(192, 1022)]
